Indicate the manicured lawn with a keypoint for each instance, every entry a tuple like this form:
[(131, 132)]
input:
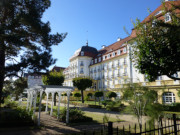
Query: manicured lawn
[(99, 118)]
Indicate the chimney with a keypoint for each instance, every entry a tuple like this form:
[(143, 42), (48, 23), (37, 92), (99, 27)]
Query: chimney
[(103, 46), (119, 39)]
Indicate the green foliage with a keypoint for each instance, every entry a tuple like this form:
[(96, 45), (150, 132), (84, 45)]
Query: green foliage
[(16, 117), (111, 94), (98, 94), (75, 116), (89, 94), (77, 95), (53, 78), (19, 86), (82, 83), (157, 48), (142, 101), (26, 41)]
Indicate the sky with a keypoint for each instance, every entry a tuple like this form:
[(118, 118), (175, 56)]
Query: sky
[(100, 22)]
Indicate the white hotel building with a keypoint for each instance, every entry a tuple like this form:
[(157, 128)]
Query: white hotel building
[(110, 67)]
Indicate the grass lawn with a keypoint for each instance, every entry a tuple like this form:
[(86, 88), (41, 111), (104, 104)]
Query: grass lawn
[(98, 118)]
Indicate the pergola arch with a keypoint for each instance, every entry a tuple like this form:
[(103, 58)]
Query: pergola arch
[(32, 93)]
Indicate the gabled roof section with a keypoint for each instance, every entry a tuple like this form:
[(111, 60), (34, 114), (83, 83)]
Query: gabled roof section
[(155, 13)]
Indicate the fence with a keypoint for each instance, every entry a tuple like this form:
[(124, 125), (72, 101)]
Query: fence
[(166, 126)]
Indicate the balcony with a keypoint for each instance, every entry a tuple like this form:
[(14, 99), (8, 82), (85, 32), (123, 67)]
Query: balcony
[(99, 70), (81, 64), (94, 71), (125, 74), (118, 75), (125, 63)]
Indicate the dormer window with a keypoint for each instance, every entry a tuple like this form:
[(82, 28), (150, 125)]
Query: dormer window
[(167, 17), (119, 52), (108, 56), (95, 60), (113, 54), (153, 23), (92, 62), (124, 50), (104, 57), (82, 53), (99, 59)]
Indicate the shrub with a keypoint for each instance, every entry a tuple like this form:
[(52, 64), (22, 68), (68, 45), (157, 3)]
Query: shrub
[(75, 115), (89, 94), (15, 118), (94, 106), (111, 94), (77, 95), (98, 94)]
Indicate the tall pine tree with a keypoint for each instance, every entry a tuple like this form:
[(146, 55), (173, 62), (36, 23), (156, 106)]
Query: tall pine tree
[(25, 41)]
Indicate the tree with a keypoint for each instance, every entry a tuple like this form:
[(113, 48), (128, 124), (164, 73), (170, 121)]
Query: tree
[(142, 101), (82, 83), (53, 78), (77, 95), (25, 40), (98, 94), (111, 94), (157, 48), (19, 86)]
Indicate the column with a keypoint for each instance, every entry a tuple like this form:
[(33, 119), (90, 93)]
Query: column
[(31, 99), (59, 100), (39, 113), (47, 98), (67, 112), (35, 98), (52, 103)]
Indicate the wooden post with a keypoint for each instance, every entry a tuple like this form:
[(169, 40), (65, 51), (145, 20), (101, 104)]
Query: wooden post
[(47, 98), (175, 125), (110, 128)]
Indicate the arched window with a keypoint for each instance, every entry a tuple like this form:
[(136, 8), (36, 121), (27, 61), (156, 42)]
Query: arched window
[(169, 97)]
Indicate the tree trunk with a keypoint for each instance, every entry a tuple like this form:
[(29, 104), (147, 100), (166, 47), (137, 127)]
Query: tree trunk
[(2, 70), (82, 96)]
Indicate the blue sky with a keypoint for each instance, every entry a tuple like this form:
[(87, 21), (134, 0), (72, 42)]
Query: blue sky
[(103, 19)]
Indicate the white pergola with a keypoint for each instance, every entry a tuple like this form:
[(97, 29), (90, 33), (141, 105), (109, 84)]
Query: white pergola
[(32, 97)]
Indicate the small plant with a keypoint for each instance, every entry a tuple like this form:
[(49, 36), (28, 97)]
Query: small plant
[(77, 95), (98, 94), (111, 94), (75, 115)]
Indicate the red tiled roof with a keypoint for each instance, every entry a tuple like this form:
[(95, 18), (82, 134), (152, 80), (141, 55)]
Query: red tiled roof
[(57, 69)]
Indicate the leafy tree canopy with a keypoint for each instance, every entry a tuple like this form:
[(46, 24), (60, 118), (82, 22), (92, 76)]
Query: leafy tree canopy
[(157, 45), (111, 94), (53, 78), (25, 40), (82, 83)]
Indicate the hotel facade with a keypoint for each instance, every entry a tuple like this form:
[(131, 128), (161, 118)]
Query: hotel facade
[(111, 67)]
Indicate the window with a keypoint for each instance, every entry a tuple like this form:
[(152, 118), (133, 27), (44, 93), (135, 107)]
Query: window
[(104, 58), (169, 97), (125, 62), (81, 72), (95, 60), (153, 23), (124, 50), (108, 56), (92, 62), (119, 52), (82, 64), (167, 17), (99, 59), (113, 54), (82, 53)]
